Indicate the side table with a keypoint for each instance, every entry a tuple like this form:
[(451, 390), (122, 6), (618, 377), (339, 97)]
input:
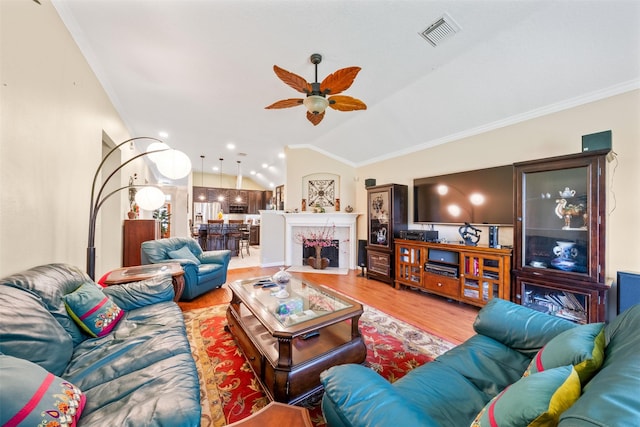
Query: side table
[(143, 272), (277, 414)]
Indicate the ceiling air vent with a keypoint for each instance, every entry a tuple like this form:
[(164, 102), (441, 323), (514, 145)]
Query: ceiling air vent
[(441, 30)]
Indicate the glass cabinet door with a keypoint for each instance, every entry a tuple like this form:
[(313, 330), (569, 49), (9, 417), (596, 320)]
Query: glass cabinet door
[(409, 264), (482, 277), (568, 304), (560, 211), (379, 214), (556, 207)]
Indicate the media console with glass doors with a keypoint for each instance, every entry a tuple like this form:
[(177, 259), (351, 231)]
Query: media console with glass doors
[(470, 274), (559, 236)]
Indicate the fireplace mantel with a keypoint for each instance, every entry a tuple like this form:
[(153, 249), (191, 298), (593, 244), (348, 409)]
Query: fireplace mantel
[(344, 222)]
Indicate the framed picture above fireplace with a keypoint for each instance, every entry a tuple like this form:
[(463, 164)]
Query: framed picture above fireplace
[(321, 190)]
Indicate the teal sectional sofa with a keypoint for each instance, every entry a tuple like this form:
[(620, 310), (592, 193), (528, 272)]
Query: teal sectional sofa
[(522, 368), (73, 353)]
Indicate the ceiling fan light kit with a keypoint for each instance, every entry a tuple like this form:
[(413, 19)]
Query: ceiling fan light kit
[(316, 100), (316, 104)]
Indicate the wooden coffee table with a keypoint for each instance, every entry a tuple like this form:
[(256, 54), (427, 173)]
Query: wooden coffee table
[(289, 341), (277, 414), (147, 271)]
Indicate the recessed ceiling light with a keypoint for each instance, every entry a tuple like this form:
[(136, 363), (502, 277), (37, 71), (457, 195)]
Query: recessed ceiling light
[(252, 172), (215, 168), (264, 165), (163, 134), (281, 155), (271, 184), (231, 146)]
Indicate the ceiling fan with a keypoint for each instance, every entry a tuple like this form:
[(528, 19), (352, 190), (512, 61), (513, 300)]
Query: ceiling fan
[(316, 100)]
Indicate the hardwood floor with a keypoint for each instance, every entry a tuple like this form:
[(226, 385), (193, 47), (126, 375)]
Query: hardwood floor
[(450, 320)]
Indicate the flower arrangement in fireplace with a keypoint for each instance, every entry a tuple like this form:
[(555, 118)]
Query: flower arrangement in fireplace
[(318, 237)]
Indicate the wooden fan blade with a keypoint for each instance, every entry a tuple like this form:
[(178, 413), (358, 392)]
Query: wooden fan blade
[(285, 103), (346, 103), (339, 81), (293, 80), (315, 118)]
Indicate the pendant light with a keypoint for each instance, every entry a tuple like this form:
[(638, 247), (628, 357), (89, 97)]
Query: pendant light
[(201, 197), (238, 178), (221, 197)]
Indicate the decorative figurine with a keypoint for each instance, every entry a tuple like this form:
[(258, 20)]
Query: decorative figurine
[(568, 211), (470, 234)]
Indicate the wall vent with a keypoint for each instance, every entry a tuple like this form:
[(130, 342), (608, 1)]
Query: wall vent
[(441, 30)]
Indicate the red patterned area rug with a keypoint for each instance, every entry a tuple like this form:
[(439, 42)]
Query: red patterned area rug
[(230, 392)]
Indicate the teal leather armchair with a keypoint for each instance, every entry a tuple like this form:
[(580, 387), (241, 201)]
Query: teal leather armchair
[(203, 271)]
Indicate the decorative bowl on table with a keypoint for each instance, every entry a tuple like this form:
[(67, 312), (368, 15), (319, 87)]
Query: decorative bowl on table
[(281, 276)]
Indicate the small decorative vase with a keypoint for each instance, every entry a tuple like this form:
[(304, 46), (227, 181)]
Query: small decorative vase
[(131, 215), (318, 262)]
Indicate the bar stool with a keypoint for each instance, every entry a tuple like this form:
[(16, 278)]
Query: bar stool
[(215, 236), (202, 238), (233, 237), (245, 235)]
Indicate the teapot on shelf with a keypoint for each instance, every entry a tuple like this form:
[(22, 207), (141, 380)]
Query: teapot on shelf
[(567, 192)]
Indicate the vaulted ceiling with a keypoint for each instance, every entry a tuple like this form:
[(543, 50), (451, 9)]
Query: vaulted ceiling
[(202, 71)]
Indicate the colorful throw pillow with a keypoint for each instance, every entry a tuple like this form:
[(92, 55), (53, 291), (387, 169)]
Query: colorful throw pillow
[(92, 310), (32, 396), (582, 347), (537, 400), (184, 253)]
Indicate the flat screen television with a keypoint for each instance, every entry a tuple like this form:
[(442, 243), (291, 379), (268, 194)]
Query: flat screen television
[(482, 196)]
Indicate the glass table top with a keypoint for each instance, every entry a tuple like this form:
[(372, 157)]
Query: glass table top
[(290, 303)]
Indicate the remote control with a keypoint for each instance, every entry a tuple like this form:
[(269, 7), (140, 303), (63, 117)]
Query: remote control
[(310, 335)]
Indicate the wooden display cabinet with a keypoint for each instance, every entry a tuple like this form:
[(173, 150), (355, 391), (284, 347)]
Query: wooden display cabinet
[(470, 274), (387, 216), (136, 231), (559, 236)]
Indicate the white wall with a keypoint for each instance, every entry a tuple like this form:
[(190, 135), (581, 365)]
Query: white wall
[(53, 114), (224, 181), (302, 162)]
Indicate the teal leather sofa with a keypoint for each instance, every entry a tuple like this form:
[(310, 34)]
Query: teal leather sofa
[(138, 372), (454, 388), (203, 271)]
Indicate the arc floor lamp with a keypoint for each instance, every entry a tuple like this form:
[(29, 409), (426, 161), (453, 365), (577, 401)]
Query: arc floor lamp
[(171, 163)]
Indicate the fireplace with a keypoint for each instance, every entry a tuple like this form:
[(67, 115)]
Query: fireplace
[(331, 252), (300, 223)]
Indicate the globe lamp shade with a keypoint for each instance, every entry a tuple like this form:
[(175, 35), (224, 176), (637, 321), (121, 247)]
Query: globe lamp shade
[(173, 164), (156, 146), (150, 198), (316, 104)]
